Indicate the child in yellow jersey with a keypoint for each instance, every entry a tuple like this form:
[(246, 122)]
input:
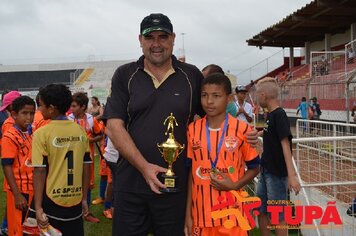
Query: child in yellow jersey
[(17, 148), (92, 128), (61, 161), (219, 151)]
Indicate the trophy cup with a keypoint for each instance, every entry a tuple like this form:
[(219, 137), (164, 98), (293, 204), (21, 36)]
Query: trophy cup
[(170, 149)]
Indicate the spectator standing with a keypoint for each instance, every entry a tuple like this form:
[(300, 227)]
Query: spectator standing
[(324, 66), (350, 55), (277, 170), (353, 110), (316, 109), (239, 107), (96, 109), (303, 108)]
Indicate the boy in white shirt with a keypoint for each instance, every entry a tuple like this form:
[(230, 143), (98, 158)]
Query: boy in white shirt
[(239, 108)]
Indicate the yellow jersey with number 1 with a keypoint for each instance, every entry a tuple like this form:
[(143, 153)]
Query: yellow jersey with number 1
[(62, 147)]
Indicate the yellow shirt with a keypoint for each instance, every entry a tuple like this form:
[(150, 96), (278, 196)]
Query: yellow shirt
[(63, 147)]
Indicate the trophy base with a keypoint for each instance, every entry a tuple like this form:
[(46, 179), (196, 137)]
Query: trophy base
[(170, 182)]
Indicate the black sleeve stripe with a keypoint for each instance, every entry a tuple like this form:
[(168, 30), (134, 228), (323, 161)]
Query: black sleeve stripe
[(237, 127), (245, 129), (201, 138), (7, 161), (253, 163), (202, 201), (196, 203), (45, 161), (87, 157), (211, 203), (242, 143)]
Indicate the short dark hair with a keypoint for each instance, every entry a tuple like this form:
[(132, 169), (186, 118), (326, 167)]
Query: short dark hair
[(213, 69), (81, 99), (218, 79), (21, 102), (57, 95)]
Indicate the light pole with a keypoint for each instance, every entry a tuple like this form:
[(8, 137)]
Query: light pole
[(183, 43), (182, 57)]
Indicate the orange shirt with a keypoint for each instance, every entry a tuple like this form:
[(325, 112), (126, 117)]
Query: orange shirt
[(8, 123), (91, 127), (234, 152), (18, 149), (38, 121)]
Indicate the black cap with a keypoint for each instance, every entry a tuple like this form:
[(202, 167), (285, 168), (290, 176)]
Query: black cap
[(156, 22), (240, 88)]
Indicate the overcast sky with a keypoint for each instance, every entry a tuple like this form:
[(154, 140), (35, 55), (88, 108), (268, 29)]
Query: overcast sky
[(36, 31)]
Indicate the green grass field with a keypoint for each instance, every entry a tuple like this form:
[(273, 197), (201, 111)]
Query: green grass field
[(104, 227)]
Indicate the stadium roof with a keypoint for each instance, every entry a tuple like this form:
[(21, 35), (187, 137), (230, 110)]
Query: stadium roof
[(308, 24)]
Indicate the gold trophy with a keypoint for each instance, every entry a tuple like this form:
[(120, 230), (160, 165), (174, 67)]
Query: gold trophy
[(170, 150)]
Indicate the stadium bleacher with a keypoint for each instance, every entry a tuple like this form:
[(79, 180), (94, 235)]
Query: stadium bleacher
[(92, 77), (33, 79)]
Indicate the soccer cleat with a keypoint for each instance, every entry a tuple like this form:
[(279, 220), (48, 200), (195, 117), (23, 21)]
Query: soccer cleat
[(30, 227), (97, 201), (90, 218), (50, 231), (108, 213), (3, 231)]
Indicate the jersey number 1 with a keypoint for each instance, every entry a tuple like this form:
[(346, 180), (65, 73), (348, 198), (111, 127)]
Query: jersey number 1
[(70, 167)]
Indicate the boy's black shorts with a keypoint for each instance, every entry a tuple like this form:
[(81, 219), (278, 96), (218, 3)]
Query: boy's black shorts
[(68, 228)]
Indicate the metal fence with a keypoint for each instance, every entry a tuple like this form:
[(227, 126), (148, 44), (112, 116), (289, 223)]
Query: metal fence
[(331, 78), (325, 157), (325, 160), (263, 67)]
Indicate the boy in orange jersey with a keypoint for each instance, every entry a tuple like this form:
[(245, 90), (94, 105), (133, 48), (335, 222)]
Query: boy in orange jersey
[(4, 114), (17, 140), (219, 151), (61, 161), (91, 126)]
